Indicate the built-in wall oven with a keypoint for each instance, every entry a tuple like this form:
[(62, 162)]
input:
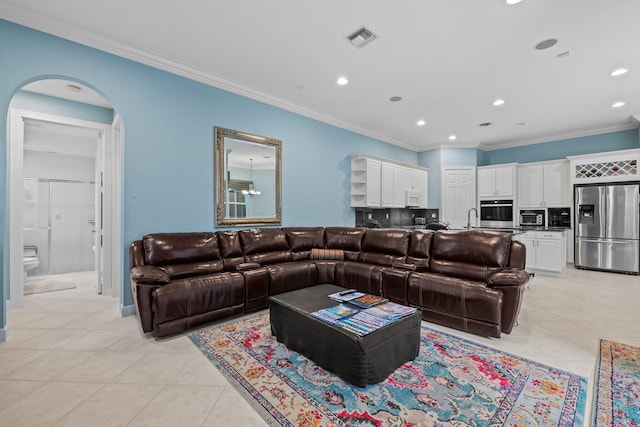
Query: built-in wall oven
[(496, 213)]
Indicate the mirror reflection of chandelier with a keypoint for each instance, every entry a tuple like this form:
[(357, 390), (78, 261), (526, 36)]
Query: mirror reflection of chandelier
[(251, 192)]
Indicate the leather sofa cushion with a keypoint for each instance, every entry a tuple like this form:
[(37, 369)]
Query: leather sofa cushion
[(362, 277), (388, 242), (345, 238), (230, 248), (379, 259), (261, 240), (274, 257), (304, 238), (291, 276), (420, 244), (484, 248), (178, 248), (456, 297), (188, 297)]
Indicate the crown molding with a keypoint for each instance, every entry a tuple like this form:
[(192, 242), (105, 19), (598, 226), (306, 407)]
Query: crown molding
[(57, 28), (560, 137)]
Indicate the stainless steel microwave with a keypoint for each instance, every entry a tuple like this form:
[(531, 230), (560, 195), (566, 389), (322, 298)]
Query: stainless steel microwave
[(532, 218)]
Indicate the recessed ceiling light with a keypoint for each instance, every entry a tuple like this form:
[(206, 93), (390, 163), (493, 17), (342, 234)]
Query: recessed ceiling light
[(452, 137), (619, 72), (395, 98), (546, 44), (342, 81), (421, 122), (73, 88), (564, 54), (618, 104), (512, 2), (498, 102)]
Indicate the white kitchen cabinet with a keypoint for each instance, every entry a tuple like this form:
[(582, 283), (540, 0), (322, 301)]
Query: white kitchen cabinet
[(378, 183), (387, 188), (401, 183), (544, 185), (546, 251), (420, 183), (496, 182)]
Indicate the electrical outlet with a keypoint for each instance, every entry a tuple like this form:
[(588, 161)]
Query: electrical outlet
[(433, 215), (369, 215), (387, 215)]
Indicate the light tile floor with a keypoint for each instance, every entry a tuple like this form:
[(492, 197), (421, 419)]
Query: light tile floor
[(70, 360)]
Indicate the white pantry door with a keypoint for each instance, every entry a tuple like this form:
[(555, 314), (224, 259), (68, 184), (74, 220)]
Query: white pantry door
[(458, 195)]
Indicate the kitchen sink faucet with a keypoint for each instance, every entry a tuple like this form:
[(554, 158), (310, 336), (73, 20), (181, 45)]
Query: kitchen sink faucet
[(469, 217)]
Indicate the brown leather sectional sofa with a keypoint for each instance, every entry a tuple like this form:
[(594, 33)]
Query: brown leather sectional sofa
[(469, 280)]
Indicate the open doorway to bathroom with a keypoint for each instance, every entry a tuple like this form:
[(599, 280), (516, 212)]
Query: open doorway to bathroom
[(61, 206), (65, 178)]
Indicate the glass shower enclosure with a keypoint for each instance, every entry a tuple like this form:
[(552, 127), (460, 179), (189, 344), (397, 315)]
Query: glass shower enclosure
[(59, 219)]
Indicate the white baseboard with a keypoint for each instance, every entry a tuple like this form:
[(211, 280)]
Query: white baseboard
[(127, 310)]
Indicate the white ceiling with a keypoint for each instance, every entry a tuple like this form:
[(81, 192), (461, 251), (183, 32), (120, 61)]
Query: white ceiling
[(447, 59)]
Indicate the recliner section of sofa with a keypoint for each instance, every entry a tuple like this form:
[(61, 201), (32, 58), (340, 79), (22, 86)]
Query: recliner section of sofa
[(470, 280)]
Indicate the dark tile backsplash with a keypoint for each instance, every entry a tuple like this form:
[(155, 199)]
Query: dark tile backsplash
[(393, 217)]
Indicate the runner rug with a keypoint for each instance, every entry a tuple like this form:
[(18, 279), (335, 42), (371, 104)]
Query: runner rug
[(617, 394), (453, 382)]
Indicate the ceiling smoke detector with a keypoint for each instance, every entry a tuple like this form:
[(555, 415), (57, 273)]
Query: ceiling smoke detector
[(361, 37)]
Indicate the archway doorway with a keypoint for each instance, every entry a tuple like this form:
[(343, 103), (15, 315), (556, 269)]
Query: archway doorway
[(58, 127)]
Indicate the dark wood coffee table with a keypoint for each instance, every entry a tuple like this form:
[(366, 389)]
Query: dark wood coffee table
[(360, 360)]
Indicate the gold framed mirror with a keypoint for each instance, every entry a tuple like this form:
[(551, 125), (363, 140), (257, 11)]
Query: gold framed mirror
[(248, 178)]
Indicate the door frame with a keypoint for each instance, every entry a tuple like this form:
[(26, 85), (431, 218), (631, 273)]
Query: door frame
[(112, 199)]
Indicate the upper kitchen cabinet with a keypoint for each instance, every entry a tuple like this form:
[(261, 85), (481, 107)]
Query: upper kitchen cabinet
[(376, 182), (544, 184), (497, 181)]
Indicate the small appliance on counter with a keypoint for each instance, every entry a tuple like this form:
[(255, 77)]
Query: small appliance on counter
[(560, 217), (532, 218)]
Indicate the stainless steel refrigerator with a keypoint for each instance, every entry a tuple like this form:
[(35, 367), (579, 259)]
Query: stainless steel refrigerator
[(607, 227)]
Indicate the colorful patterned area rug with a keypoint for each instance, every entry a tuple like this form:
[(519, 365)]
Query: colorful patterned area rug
[(617, 394), (452, 383)]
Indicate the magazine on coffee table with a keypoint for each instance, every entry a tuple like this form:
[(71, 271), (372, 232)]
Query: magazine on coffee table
[(390, 310), (367, 301), (333, 314), (346, 295)]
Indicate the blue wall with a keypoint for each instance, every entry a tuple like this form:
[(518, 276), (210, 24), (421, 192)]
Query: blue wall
[(435, 160), (613, 141), (168, 141)]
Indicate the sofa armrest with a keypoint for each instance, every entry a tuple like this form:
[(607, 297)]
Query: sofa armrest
[(149, 275), (243, 266), (404, 266), (508, 277)]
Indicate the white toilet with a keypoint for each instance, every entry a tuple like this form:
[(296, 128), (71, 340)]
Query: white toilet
[(30, 259)]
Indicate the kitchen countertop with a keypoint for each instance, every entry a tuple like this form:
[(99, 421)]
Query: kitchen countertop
[(512, 230)]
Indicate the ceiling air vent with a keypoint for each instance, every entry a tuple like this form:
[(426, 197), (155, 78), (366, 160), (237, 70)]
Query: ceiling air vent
[(361, 37)]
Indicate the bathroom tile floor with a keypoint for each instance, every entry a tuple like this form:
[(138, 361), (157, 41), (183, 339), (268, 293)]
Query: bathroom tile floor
[(71, 360)]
